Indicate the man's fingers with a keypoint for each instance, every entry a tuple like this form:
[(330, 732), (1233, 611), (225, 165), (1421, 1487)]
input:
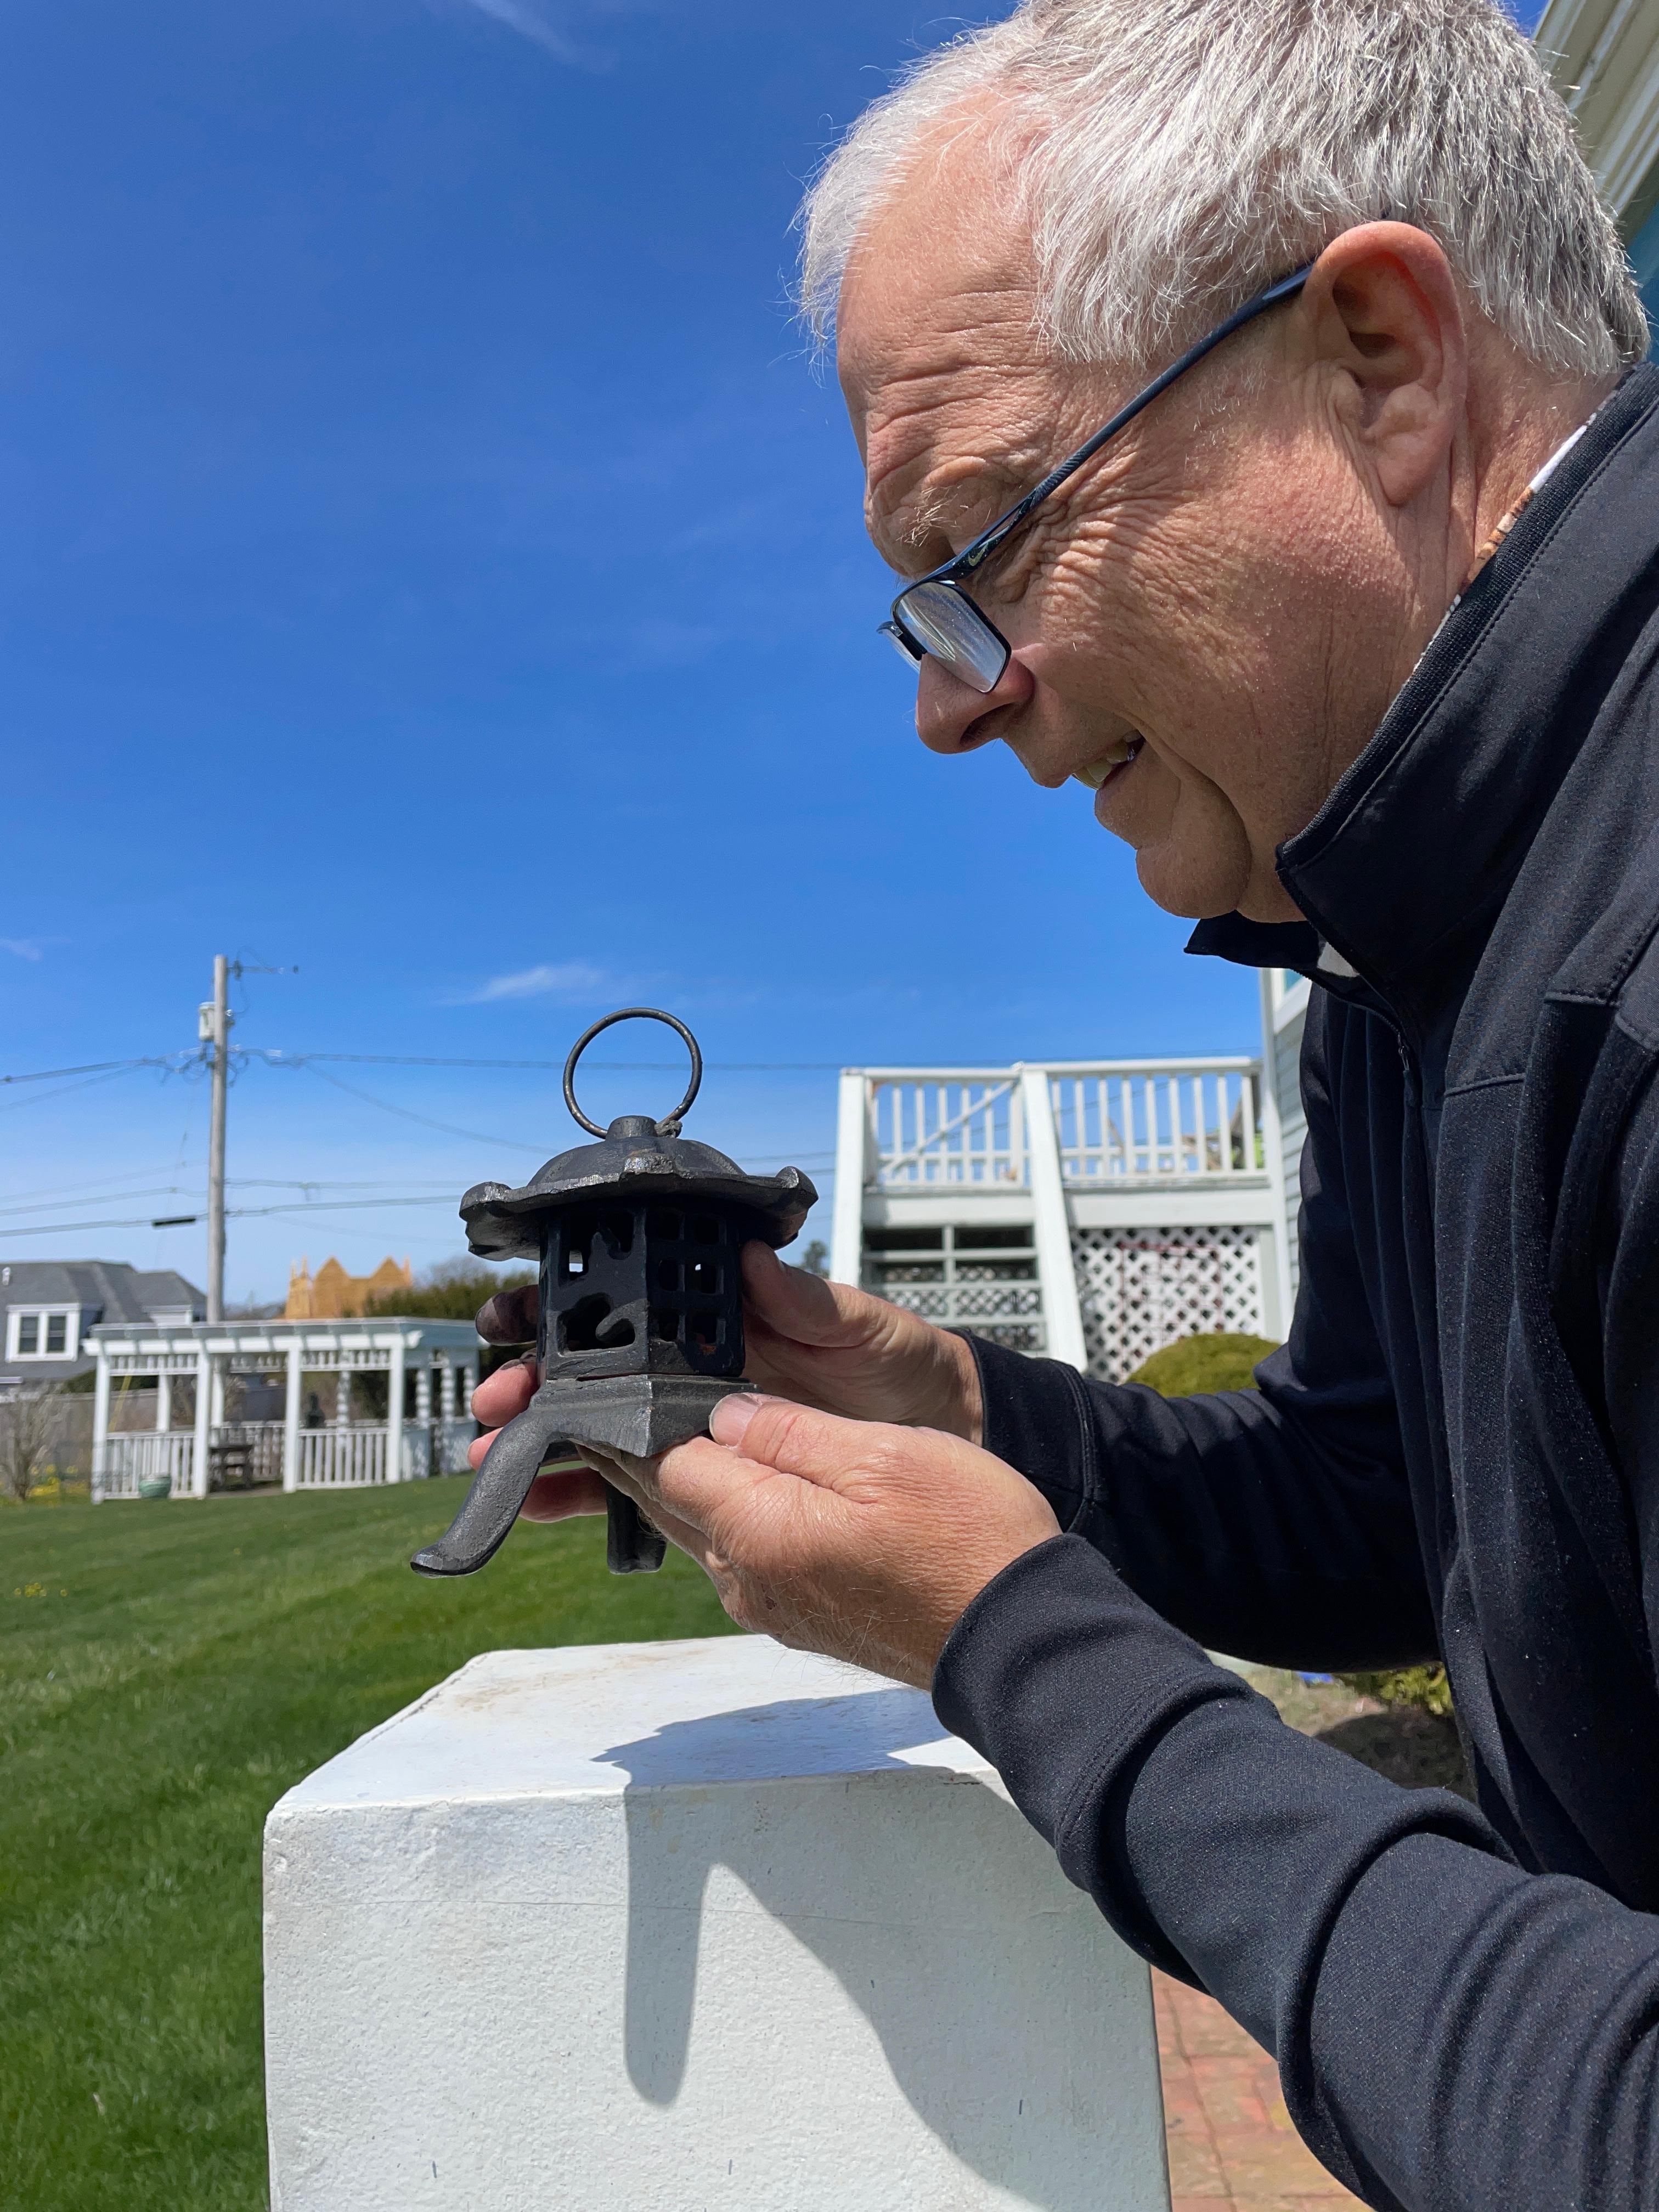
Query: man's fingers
[(556, 1496), (505, 1393), (794, 1439), (510, 1316), (804, 1308)]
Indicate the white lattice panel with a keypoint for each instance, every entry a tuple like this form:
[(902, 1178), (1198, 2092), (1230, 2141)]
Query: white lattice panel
[(1140, 1289), (1007, 1313)]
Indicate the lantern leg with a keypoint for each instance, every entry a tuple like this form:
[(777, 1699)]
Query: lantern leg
[(632, 1546), (499, 1489), (640, 1414)]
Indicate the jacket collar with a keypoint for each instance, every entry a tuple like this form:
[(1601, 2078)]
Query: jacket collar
[(1405, 868)]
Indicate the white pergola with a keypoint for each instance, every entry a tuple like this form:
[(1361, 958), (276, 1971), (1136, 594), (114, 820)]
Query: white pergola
[(441, 1356)]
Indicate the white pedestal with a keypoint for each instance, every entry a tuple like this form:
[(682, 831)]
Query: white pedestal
[(675, 1927)]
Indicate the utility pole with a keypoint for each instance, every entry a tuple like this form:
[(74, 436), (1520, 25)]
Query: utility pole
[(214, 1022), (214, 1029)]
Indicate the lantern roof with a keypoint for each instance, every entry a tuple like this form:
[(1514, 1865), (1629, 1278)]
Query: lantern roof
[(635, 1159)]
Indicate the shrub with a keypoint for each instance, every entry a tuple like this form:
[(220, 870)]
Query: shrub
[(452, 1290), (28, 1429), (1424, 1688), (1195, 1364)]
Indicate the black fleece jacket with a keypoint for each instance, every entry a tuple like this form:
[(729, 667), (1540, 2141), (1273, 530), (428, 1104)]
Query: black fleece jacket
[(1457, 1451)]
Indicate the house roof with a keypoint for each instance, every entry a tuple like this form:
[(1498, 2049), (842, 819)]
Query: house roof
[(105, 1290)]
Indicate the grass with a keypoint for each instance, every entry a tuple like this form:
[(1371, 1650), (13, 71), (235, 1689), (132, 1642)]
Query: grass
[(167, 1671)]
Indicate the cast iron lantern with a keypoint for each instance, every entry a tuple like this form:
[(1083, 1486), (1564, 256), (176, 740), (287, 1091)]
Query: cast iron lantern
[(640, 1333)]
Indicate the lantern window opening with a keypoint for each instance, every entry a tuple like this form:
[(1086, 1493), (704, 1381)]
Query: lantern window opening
[(594, 1325)]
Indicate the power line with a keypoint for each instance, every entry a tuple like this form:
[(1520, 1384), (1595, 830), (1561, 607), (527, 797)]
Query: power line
[(339, 1205), (232, 1213), (274, 1055), (406, 1114), (102, 1198), (96, 1067), (181, 1190), (98, 1186), (290, 1206), (83, 1083)]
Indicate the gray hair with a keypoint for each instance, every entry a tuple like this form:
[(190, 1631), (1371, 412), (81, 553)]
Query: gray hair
[(1170, 157)]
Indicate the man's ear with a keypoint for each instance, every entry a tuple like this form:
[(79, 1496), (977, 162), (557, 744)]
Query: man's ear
[(1382, 310)]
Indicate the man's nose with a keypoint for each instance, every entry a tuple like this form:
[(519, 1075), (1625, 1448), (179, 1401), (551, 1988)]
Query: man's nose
[(949, 712)]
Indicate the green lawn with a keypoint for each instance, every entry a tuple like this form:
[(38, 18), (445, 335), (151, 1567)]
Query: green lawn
[(166, 1672)]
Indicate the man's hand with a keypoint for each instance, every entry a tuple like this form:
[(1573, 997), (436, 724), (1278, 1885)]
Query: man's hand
[(858, 1539), (821, 1344)]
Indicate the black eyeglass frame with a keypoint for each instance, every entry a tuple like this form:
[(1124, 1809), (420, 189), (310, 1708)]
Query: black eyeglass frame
[(973, 558)]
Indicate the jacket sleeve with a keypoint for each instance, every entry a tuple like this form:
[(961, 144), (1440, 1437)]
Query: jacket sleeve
[(1453, 2034), (1275, 1524)]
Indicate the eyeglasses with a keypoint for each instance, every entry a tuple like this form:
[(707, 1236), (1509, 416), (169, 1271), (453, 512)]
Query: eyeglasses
[(935, 615)]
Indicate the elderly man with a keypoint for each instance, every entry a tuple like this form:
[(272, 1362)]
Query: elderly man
[(1246, 391)]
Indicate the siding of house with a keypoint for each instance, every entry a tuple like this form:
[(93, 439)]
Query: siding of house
[(86, 1291), (1292, 1122)]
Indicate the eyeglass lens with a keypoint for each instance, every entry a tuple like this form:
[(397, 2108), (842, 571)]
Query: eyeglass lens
[(953, 630)]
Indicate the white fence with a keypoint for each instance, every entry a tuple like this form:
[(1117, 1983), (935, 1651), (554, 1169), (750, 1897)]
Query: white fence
[(345, 1457), (332, 1458), (1179, 1124), (452, 1438), (959, 1127), (144, 1457), (244, 1453), (1118, 1123)]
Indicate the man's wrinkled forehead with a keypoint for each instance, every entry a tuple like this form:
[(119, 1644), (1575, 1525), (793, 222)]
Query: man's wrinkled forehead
[(936, 348)]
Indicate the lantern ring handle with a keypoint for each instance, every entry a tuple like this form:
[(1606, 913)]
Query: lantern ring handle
[(669, 1124)]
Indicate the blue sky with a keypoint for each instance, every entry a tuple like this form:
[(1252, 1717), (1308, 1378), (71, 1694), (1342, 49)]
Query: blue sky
[(429, 561)]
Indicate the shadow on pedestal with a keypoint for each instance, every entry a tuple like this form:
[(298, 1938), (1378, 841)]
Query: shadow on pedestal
[(912, 1905)]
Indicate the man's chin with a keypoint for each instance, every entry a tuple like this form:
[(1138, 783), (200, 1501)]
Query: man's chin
[(1182, 884)]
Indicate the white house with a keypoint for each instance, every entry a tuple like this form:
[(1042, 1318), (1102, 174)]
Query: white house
[(1604, 57), (1093, 1210), (48, 1307)]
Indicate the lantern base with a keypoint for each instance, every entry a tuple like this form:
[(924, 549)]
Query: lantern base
[(639, 1414)]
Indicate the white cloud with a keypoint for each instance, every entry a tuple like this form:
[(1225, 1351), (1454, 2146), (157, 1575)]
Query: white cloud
[(570, 979), (557, 25), (24, 948), (531, 21)]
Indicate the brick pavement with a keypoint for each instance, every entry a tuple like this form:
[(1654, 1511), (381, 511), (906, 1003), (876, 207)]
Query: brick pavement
[(1232, 2147)]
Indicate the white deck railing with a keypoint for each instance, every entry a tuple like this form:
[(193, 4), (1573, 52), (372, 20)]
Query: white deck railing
[(329, 1458), (253, 1449), (451, 1439), (949, 1126), (345, 1457), (1117, 1122), (1190, 1122), (134, 1457)]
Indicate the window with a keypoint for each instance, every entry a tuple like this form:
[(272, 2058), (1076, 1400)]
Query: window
[(45, 1333)]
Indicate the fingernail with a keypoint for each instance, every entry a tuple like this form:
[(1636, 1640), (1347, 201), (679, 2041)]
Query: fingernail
[(732, 1416)]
